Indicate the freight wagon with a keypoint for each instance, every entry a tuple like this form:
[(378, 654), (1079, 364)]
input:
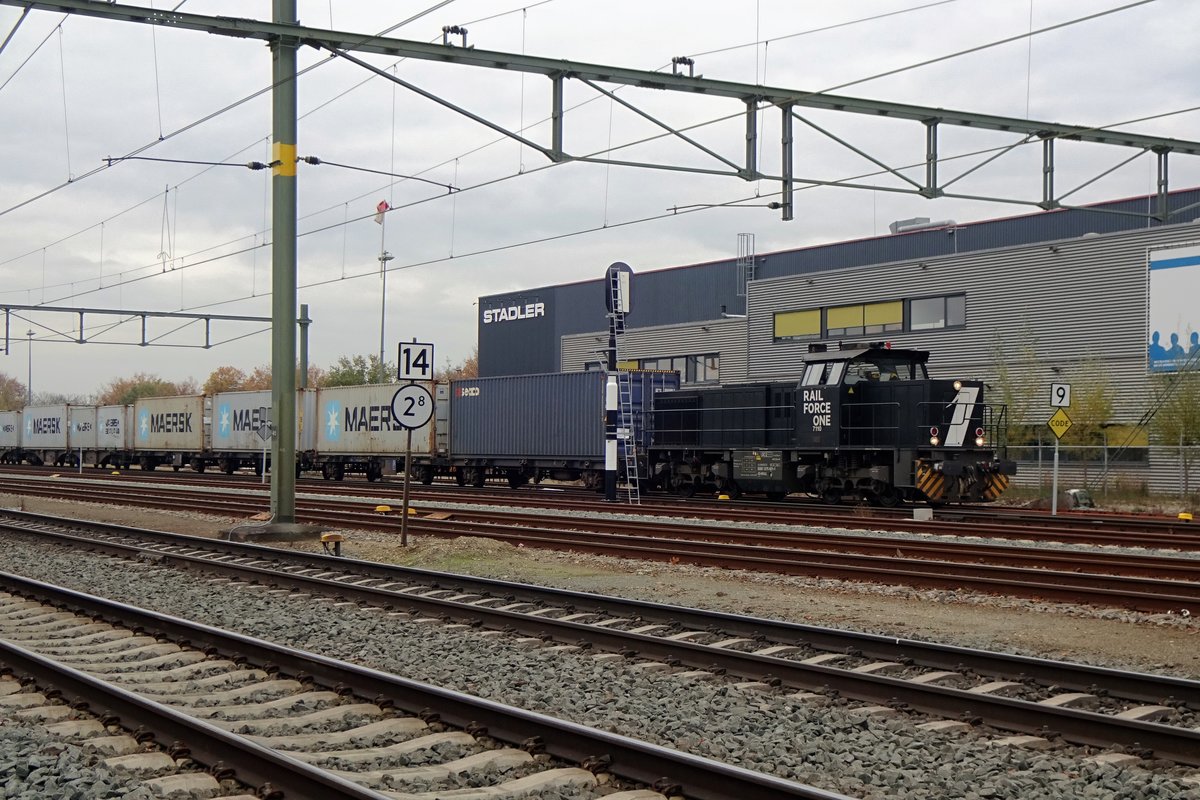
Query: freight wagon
[(537, 427)]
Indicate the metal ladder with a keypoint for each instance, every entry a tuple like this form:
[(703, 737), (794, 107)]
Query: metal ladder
[(628, 429)]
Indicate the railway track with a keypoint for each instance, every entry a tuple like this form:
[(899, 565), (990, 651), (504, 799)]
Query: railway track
[(298, 725), (1151, 583), (1077, 527), (1085, 705)]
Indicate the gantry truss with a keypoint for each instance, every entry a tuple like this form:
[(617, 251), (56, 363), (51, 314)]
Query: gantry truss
[(754, 99)]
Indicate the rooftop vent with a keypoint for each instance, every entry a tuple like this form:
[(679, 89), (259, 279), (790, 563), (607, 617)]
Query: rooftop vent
[(919, 224)]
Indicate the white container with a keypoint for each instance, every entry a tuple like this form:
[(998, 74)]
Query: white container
[(237, 418), (114, 427), (82, 423), (169, 423), (45, 428), (357, 420), (10, 430)]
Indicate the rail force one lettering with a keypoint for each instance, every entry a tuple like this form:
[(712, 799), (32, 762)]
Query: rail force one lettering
[(821, 410), (509, 313), (171, 422), (468, 391)]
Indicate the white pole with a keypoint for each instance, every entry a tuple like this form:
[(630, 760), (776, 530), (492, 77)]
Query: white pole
[(1054, 485), (264, 462)]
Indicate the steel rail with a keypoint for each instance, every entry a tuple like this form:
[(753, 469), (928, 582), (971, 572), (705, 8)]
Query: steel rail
[(997, 522), (634, 760), (1067, 585), (220, 751), (1041, 558), (1077, 726)]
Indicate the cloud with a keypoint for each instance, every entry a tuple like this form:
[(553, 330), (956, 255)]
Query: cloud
[(521, 222)]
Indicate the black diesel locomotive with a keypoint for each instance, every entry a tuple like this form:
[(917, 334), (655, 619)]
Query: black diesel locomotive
[(863, 422)]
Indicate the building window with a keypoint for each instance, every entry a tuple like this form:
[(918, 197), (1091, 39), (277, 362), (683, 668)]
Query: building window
[(844, 320), (798, 324), (692, 369), (883, 317), (949, 311)]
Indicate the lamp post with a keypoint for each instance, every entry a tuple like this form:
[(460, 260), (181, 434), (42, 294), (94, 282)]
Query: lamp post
[(29, 380), (384, 257)]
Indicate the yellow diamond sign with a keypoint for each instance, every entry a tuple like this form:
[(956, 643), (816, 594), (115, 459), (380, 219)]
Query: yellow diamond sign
[(1060, 423)]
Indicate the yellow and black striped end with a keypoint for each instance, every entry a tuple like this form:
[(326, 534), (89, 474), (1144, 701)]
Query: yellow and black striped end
[(994, 486), (931, 483)]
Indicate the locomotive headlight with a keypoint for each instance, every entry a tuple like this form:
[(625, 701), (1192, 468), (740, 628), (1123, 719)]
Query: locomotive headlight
[(979, 441), (957, 385), (935, 441)]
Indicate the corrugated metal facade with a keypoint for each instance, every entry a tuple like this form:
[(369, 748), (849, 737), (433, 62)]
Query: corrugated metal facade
[(1073, 303), (675, 298)]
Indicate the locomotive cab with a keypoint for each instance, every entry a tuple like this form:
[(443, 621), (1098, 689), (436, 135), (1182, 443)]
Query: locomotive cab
[(891, 433)]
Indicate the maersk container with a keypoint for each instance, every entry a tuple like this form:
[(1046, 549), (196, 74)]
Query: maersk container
[(114, 427), (10, 430), (81, 421), (237, 418), (45, 428), (357, 420), (169, 423)]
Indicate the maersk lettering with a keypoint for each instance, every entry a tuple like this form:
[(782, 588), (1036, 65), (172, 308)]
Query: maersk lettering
[(509, 313), (249, 419), (369, 418), (47, 425), (171, 422)]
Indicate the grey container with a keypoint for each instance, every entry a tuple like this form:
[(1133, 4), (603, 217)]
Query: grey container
[(553, 416)]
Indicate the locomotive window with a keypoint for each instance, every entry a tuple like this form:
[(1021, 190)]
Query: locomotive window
[(823, 374)]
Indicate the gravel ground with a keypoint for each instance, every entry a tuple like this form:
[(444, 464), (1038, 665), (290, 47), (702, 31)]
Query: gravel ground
[(826, 745)]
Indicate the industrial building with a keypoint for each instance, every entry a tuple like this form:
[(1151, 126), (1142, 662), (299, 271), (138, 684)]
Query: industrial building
[(1022, 302)]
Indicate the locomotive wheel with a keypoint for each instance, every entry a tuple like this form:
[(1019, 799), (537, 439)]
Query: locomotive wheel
[(775, 497), (687, 489), (832, 497), (147, 463), (731, 490), (889, 497)]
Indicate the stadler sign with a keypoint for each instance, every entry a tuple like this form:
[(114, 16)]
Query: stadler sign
[(510, 313)]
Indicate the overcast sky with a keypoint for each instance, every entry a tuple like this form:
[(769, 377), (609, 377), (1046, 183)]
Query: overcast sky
[(155, 236)]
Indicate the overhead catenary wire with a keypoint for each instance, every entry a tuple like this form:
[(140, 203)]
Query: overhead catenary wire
[(973, 49)]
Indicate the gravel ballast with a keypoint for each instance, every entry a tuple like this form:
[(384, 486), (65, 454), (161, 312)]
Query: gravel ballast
[(824, 744)]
